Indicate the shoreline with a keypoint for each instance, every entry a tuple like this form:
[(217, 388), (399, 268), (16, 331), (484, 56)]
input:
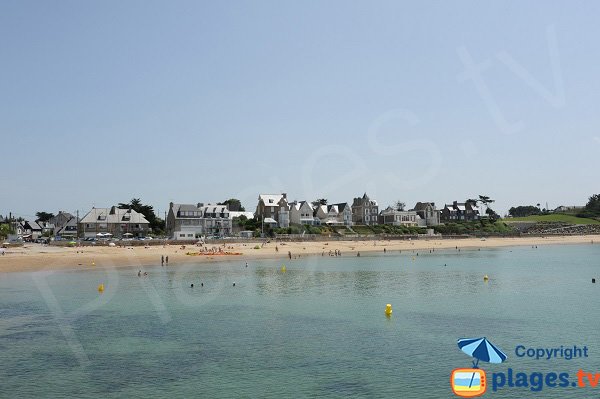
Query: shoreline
[(37, 257)]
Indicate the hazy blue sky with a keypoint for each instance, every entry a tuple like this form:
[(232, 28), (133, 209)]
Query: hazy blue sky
[(202, 101)]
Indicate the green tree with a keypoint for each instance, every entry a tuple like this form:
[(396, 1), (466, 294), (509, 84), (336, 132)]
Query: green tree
[(156, 224), (234, 205), (399, 205), (5, 230), (593, 204), (524, 211), (320, 201), (43, 216)]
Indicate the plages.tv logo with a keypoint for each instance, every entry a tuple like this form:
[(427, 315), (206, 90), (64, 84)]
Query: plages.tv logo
[(471, 382)]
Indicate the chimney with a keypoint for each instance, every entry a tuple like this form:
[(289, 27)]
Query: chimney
[(284, 196), (200, 204)]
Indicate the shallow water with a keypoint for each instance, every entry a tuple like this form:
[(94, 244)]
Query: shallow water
[(317, 330)]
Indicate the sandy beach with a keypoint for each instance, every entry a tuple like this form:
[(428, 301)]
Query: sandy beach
[(38, 257)]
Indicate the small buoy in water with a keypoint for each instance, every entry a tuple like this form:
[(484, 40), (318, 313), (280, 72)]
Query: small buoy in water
[(283, 269), (388, 309), (594, 280), (234, 284), (413, 258), (486, 278), (100, 287), (192, 285)]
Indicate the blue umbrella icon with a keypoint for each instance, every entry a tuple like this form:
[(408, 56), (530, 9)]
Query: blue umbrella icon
[(481, 349)]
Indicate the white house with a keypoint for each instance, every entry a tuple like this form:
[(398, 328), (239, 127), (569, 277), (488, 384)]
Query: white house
[(303, 213), (189, 221), (395, 217)]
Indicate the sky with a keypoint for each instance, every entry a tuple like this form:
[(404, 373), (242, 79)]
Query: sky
[(196, 101)]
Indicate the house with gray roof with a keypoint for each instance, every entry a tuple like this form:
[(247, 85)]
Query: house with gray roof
[(274, 206), (365, 210), (395, 217), (31, 230), (459, 211), (114, 221), (189, 221), (67, 229), (335, 214), (428, 214), (303, 213)]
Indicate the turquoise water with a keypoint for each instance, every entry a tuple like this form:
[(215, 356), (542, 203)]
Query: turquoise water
[(318, 330)]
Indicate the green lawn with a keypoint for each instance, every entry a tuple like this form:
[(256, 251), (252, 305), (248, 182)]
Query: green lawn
[(558, 217)]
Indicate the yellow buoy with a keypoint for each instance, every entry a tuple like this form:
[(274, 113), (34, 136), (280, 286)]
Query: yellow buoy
[(93, 263), (486, 278), (388, 309), (100, 287), (283, 269)]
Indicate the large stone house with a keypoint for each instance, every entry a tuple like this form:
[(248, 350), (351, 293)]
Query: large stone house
[(275, 207), (115, 221), (395, 217), (189, 221), (365, 210), (459, 211), (428, 214)]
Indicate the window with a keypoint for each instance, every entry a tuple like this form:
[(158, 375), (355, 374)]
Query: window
[(181, 235)]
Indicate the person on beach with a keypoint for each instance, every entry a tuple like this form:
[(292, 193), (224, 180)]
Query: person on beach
[(246, 264), (167, 260), (139, 273), (162, 260), (290, 254)]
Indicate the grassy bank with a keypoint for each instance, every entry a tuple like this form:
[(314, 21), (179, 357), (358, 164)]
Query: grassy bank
[(553, 218)]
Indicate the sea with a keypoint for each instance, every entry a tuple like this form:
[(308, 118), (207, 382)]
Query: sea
[(315, 328)]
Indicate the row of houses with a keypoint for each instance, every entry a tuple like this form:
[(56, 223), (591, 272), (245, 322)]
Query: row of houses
[(276, 211), (189, 221), (62, 225)]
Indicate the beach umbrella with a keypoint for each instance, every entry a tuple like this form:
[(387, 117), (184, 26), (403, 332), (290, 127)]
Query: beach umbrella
[(481, 349)]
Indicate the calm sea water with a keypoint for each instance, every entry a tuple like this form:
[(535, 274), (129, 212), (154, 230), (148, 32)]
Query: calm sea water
[(317, 330)]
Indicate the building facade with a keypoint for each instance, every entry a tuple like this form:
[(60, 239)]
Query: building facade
[(459, 212), (189, 221), (303, 213), (428, 214), (395, 217), (365, 210), (274, 206), (114, 221)]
